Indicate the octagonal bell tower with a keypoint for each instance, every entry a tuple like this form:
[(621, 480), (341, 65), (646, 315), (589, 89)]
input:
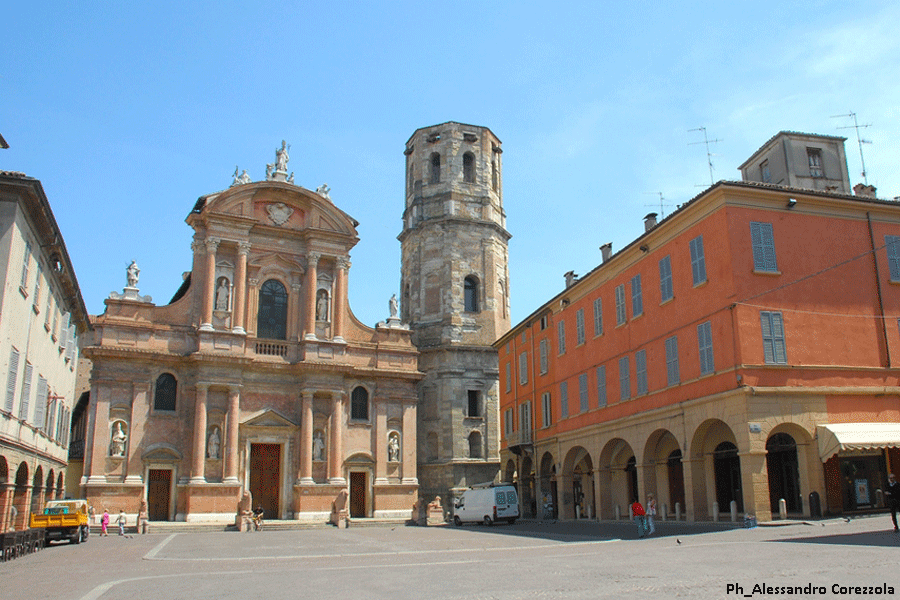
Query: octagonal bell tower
[(455, 297)]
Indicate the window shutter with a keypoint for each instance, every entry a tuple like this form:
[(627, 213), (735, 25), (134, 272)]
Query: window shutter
[(40, 403), (892, 243), (11, 379), (25, 401), (778, 338)]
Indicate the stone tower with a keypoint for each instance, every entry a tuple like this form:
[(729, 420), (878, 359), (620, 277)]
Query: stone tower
[(455, 297)]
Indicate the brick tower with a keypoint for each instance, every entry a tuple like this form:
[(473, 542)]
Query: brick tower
[(455, 297)]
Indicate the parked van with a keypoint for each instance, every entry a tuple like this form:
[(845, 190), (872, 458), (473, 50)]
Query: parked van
[(487, 505)]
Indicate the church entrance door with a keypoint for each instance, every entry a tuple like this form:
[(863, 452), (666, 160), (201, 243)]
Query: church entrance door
[(357, 494), (265, 467), (159, 485)]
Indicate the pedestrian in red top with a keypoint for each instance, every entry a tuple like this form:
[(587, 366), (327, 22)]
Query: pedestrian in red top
[(640, 517)]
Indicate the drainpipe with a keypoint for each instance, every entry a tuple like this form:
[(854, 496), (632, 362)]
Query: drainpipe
[(887, 350)]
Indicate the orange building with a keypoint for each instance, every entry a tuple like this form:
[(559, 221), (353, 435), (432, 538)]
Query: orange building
[(743, 351)]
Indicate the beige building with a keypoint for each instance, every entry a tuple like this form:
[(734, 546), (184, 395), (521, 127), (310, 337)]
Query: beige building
[(455, 286), (42, 315), (256, 375)]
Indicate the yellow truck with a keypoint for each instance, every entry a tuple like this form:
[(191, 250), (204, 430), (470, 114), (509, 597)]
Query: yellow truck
[(63, 520)]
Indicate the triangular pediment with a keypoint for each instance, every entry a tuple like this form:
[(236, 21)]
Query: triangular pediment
[(268, 418)]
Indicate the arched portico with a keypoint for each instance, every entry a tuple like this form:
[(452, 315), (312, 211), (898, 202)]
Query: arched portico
[(21, 498), (616, 475), (715, 470), (578, 484), (527, 496), (549, 491), (792, 466), (663, 471)]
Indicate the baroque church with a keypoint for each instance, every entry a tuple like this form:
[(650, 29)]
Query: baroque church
[(257, 377)]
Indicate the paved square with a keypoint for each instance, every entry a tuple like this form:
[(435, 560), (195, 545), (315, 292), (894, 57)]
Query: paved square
[(527, 560)]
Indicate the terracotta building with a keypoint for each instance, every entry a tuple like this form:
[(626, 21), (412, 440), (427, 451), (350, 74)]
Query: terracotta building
[(256, 375), (42, 316), (742, 352)]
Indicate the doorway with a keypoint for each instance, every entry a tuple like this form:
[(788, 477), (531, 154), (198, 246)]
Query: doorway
[(784, 472), (159, 489), (727, 469), (358, 494), (265, 474)]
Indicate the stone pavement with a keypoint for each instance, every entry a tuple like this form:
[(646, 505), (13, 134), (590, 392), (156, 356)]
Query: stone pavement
[(527, 560)]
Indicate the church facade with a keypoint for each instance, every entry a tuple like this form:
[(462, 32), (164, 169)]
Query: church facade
[(256, 376)]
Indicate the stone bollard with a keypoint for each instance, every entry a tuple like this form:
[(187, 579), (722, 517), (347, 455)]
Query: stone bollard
[(618, 512), (715, 511), (577, 512), (665, 511), (733, 511), (782, 509), (678, 511), (879, 498)]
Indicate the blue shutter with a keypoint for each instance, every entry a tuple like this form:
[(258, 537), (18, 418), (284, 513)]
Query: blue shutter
[(763, 247), (892, 243)]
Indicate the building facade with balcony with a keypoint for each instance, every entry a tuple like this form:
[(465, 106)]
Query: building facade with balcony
[(743, 351), (42, 317), (256, 376)]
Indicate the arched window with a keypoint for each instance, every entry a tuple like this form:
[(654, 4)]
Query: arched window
[(469, 167), (471, 294), (475, 444), (435, 168), (164, 397), (359, 404), (272, 319)]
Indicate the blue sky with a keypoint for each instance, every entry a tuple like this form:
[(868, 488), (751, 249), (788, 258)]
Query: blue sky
[(128, 112)]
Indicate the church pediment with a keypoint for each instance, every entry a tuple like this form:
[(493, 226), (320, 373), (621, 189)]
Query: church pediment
[(268, 418)]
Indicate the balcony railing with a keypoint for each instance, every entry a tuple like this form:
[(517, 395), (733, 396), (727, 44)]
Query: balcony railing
[(271, 349), (519, 438)]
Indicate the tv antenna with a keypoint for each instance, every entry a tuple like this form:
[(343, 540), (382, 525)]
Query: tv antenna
[(859, 140), (662, 213), (709, 155)]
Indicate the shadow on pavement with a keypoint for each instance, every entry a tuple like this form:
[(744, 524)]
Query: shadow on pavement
[(587, 531), (887, 538)]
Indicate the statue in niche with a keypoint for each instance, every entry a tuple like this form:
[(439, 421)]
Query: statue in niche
[(222, 294), (132, 274), (392, 306), (117, 442), (394, 448), (322, 306), (319, 446), (213, 443)]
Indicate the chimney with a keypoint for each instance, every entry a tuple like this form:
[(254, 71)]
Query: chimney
[(865, 191), (606, 249), (649, 222), (571, 278)]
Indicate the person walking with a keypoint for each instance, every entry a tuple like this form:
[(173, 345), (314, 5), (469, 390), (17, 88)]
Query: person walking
[(640, 517), (121, 520), (651, 512), (104, 522), (893, 498)]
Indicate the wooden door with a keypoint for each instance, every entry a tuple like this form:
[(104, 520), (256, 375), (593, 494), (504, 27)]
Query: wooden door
[(265, 474), (358, 494), (159, 486)]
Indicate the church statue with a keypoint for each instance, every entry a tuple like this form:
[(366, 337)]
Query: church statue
[(319, 446), (323, 190), (222, 295), (117, 443), (132, 272), (322, 306), (240, 179), (282, 158), (394, 448), (212, 445), (392, 305)]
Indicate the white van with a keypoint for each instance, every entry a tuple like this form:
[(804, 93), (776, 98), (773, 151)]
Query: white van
[(487, 505)]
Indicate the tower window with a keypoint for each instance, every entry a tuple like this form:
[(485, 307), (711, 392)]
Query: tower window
[(475, 445), (359, 404), (471, 294), (272, 318), (815, 162), (469, 167), (435, 168), (474, 403)]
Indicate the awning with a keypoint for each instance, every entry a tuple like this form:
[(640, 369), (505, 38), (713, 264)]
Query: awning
[(856, 436)]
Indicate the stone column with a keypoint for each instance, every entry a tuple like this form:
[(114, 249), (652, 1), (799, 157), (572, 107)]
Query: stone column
[(140, 411), (312, 278), (408, 451), (231, 435), (198, 463), (754, 485), (209, 284), (6, 496), (240, 288), (694, 489), (340, 298), (336, 452), (252, 305), (381, 454), (98, 448), (306, 433), (293, 324)]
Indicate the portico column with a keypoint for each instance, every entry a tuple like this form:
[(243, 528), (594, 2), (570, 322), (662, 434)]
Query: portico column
[(209, 283), (312, 278), (340, 298), (754, 485), (306, 432), (381, 453), (336, 452), (240, 288), (231, 435), (199, 458), (409, 443)]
